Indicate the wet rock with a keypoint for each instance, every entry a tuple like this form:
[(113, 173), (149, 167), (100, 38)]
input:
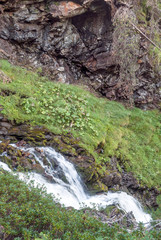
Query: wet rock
[(26, 164), (37, 168), (48, 177), (45, 161), (97, 187), (112, 178), (19, 159)]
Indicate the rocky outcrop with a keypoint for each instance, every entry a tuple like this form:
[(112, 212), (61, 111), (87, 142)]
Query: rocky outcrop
[(73, 42)]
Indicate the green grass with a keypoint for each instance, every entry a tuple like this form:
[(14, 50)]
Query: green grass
[(28, 213), (133, 136)]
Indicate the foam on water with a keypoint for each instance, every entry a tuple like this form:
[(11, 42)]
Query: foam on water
[(69, 188)]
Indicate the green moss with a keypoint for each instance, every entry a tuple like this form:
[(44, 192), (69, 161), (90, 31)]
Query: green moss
[(98, 186), (66, 149), (91, 126)]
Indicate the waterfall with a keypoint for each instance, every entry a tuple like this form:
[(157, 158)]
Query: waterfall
[(5, 167), (67, 187)]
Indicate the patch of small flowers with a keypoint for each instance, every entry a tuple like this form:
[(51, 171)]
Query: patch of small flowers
[(60, 106)]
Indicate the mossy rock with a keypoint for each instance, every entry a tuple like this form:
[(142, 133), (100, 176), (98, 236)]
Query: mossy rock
[(63, 147), (38, 169), (97, 187), (108, 210), (69, 139), (112, 178)]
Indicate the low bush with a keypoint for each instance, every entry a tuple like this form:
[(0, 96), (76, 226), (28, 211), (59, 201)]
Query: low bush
[(29, 213)]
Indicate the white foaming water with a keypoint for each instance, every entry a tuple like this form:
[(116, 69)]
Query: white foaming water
[(66, 185), (5, 167)]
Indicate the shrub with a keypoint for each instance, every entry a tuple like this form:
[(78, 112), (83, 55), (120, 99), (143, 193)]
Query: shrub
[(29, 213)]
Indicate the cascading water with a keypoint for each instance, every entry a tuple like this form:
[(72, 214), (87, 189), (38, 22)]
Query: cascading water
[(66, 185), (5, 167)]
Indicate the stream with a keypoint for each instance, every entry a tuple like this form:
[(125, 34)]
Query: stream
[(67, 187)]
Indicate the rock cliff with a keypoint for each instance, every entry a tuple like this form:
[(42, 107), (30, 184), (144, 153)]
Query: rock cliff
[(82, 41)]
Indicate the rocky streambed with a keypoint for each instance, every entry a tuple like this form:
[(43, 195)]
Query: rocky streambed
[(60, 178), (112, 179)]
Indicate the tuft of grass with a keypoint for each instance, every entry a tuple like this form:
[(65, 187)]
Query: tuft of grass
[(133, 136)]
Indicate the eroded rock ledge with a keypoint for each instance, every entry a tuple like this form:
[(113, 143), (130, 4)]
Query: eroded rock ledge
[(73, 42)]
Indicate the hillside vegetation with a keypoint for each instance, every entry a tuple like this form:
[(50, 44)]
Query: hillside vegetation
[(131, 135), (106, 130)]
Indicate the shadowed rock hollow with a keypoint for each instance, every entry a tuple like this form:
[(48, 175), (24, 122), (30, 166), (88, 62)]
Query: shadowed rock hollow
[(75, 42)]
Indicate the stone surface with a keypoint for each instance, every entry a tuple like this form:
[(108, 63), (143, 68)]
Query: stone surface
[(66, 9), (72, 41), (6, 125)]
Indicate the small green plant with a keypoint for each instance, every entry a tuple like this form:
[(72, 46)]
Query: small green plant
[(59, 105), (43, 236)]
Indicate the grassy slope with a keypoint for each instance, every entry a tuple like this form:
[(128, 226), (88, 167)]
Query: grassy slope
[(133, 136)]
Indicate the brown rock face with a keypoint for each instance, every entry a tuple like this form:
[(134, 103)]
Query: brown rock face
[(74, 40), (66, 9)]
